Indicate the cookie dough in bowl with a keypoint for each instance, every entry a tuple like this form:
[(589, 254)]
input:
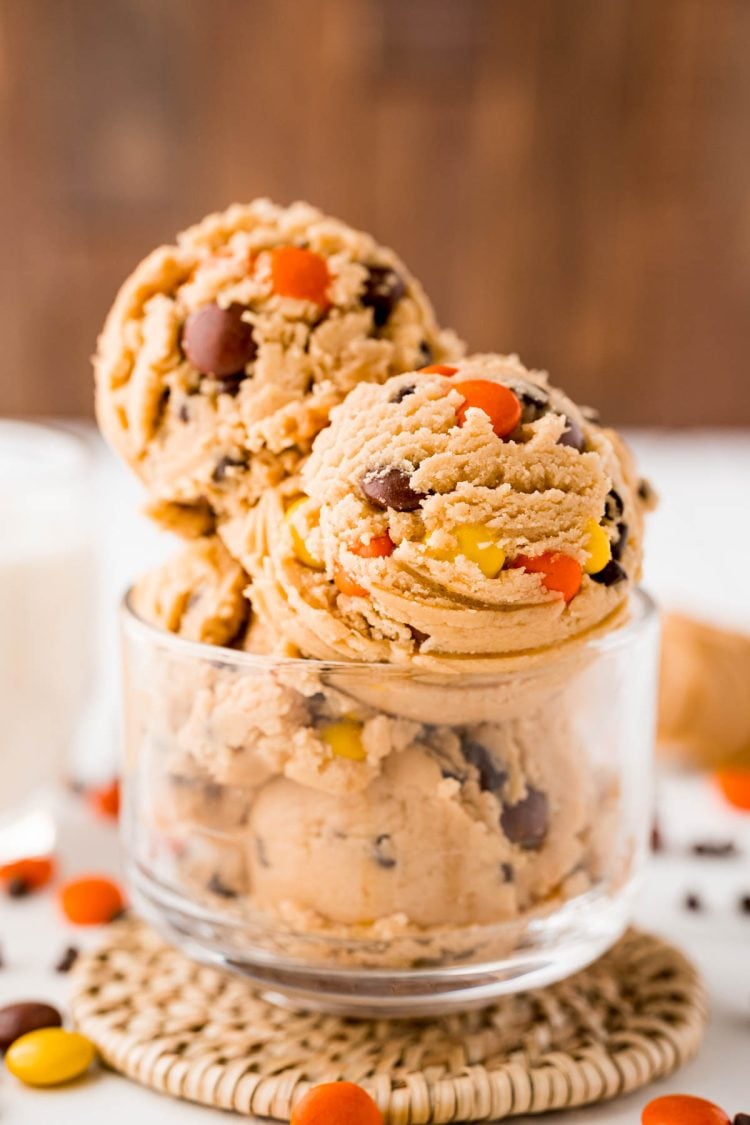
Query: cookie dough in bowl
[(461, 515), (223, 354)]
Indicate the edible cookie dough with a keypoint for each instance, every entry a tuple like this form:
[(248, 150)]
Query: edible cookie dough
[(462, 510), (224, 353)]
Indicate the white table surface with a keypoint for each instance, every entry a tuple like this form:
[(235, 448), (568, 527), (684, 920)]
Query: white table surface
[(698, 551)]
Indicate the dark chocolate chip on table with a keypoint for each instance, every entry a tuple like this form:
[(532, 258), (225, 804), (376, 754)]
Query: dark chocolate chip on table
[(693, 902), (383, 289), (18, 887), (610, 575), (492, 775), (382, 852), (19, 1019), (657, 840), (507, 873), (741, 1119), (67, 959), (744, 904), (390, 487), (218, 341), (572, 435), (526, 822), (714, 849)]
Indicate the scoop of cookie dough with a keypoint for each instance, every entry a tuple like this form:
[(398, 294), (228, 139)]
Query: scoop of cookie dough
[(224, 353), (464, 510)]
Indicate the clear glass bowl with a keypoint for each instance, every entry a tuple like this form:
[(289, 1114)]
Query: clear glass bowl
[(372, 839)]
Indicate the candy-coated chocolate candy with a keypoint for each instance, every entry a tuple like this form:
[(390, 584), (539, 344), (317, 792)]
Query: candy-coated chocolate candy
[(346, 585), (299, 540), (558, 572), (33, 873), (383, 289), (345, 739), (477, 543), (735, 785), (218, 341), (379, 547), (336, 1103), (683, 1109), (91, 901), (389, 486), (438, 369), (598, 547), (21, 1018), (300, 273), (50, 1056), (526, 822), (572, 435), (499, 403), (106, 799)]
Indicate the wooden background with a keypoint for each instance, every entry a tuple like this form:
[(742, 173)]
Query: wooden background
[(570, 178)]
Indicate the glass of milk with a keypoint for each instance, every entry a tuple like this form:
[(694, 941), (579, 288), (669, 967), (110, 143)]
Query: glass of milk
[(46, 616)]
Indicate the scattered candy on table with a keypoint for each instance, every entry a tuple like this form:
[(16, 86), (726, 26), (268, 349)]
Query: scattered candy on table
[(336, 1103), (49, 1056), (24, 1016), (106, 799), (92, 900), (26, 875), (683, 1109)]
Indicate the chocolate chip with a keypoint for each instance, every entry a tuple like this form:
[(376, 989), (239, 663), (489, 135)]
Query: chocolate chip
[(220, 471), (618, 546), (260, 851), (389, 487), (610, 575), (231, 385), (383, 289), (217, 887), (645, 492), (382, 852), (218, 341), (744, 904), (714, 849), (492, 776), (402, 393), (534, 403), (507, 873), (184, 412), (18, 887), (741, 1119), (526, 822), (657, 840), (572, 435), (418, 636), (67, 959), (613, 505), (426, 353), (693, 902), (21, 1018)]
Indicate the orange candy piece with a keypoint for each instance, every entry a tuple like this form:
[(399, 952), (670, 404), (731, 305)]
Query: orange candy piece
[(379, 547), (347, 585), (106, 801), (735, 785), (336, 1103), (559, 572), (92, 900), (300, 273), (34, 873), (682, 1109), (437, 369), (499, 403)]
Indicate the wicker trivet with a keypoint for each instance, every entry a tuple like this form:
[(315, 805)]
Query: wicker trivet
[(204, 1035)]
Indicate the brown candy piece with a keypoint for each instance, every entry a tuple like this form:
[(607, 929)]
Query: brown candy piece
[(390, 487), (29, 1015), (383, 289), (526, 822), (492, 776), (218, 341)]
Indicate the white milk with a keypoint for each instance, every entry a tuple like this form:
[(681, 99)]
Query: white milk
[(46, 603)]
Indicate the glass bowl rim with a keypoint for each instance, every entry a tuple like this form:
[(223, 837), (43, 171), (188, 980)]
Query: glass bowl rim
[(643, 616)]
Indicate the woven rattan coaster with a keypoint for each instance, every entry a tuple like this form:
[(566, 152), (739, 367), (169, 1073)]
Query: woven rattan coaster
[(206, 1036)]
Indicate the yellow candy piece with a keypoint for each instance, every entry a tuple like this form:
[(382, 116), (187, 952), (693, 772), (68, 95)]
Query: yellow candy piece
[(598, 547), (478, 544), (49, 1056), (299, 545), (345, 739)]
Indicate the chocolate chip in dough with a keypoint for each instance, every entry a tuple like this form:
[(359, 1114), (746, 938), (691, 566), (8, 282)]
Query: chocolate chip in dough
[(223, 464), (402, 393), (217, 887), (218, 341), (390, 487), (382, 852), (426, 353), (507, 873), (492, 776), (526, 822), (613, 505), (572, 435), (383, 289), (618, 546), (611, 574), (534, 402)]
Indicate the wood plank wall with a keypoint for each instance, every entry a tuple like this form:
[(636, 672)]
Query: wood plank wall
[(570, 178)]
